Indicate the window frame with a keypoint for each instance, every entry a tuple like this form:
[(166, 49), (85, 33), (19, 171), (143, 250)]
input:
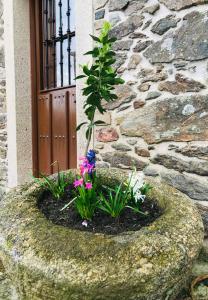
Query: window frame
[(48, 42)]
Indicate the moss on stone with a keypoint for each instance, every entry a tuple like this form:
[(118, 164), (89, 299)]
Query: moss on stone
[(46, 261)]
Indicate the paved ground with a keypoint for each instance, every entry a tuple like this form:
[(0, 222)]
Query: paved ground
[(7, 292)]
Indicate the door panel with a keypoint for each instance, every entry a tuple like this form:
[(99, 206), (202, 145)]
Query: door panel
[(57, 130), (44, 134), (60, 129)]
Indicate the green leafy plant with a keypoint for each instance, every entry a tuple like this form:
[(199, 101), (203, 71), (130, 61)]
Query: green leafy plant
[(57, 187), (86, 202), (101, 80), (145, 189), (137, 190), (115, 200)]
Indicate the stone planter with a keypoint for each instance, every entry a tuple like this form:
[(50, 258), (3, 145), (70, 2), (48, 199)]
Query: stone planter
[(46, 261)]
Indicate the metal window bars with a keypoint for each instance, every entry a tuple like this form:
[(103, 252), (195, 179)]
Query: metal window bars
[(53, 12)]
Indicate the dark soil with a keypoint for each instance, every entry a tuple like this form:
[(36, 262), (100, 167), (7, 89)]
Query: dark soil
[(101, 223)]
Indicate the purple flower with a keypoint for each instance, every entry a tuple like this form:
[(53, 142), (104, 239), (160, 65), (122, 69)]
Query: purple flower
[(91, 157), (78, 182), (88, 185)]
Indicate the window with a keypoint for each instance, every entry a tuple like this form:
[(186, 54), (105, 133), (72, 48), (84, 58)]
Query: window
[(58, 49)]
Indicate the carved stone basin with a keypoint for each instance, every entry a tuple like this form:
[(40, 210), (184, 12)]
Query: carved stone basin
[(46, 261)]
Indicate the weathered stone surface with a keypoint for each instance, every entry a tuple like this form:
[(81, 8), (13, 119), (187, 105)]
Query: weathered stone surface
[(132, 142), (102, 164), (122, 45), (107, 135), (155, 77), (140, 46), (194, 151), (194, 166), (181, 4), (3, 152), (122, 108), (123, 161), (3, 119), (134, 60), (121, 147), (147, 24), (120, 59), (181, 85), (145, 72), (137, 35), (134, 7), (151, 171), (100, 14), (163, 25), (114, 19), (139, 103), (181, 65), (99, 146), (195, 187), (128, 26), (7, 291), (125, 94), (118, 4), (153, 95), (174, 45), (92, 266), (142, 151), (131, 82), (106, 117), (152, 9), (99, 3), (165, 121), (99, 24), (144, 87)]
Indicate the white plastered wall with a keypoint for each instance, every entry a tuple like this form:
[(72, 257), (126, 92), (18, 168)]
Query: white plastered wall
[(18, 77)]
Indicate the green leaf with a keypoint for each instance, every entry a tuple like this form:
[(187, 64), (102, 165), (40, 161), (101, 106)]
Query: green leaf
[(88, 90), (86, 70), (80, 77), (110, 62), (113, 96), (80, 126), (94, 52), (112, 40), (99, 122), (110, 54), (119, 81), (95, 38)]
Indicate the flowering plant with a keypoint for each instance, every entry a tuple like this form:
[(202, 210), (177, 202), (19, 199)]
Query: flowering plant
[(101, 80), (85, 184), (138, 190), (130, 194)]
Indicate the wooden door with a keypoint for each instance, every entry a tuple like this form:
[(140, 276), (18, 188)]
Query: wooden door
[(53, 72)]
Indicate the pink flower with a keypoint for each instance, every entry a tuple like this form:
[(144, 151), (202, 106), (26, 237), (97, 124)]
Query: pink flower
[(88, 185), (78, 182)]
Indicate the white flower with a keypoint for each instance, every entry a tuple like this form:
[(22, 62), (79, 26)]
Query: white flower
[(84, 223), (136, 182)]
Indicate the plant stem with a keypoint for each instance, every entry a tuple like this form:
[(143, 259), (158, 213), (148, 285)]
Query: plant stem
[(88, 144), (91, 126)]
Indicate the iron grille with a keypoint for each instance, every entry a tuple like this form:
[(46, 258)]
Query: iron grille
[(59, 54)]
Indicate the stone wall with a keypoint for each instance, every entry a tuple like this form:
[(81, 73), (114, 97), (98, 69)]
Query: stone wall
[(3, 131), (160, 121)]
